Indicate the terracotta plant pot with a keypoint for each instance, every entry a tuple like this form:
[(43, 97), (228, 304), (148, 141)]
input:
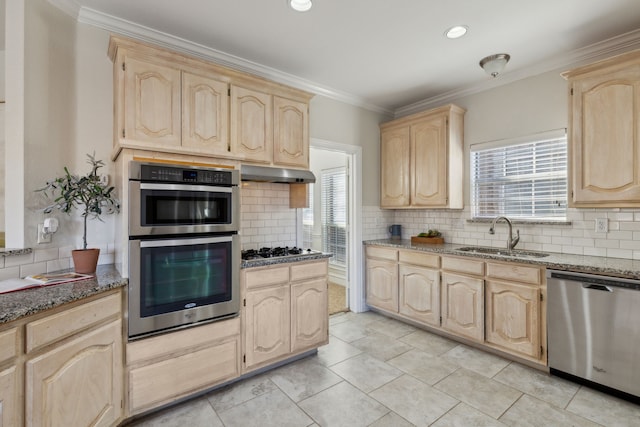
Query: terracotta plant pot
[(85, 261)]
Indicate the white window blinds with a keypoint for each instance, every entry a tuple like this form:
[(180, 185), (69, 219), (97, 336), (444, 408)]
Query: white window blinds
[(334, 214), (520, 180)]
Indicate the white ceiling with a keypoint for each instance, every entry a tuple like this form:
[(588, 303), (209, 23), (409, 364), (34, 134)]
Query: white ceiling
[(382, 54)]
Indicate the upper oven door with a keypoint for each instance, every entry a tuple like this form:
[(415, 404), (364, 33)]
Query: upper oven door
[(164, 209)]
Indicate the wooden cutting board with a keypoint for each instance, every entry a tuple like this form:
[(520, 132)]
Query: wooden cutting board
[(430, 240)]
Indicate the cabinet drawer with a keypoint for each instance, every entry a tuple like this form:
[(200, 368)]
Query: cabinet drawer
[(516, 272), (308, 270), (163, 346), (57, 326), (8, 344), (419, 258), (382, 253), (255, 278), (171, 379), (463, 265)]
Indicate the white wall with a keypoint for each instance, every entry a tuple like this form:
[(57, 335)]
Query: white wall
[(67, 114), (339, 122)]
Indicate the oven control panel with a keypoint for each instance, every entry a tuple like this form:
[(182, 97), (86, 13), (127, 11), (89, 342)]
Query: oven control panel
[(179, 174)]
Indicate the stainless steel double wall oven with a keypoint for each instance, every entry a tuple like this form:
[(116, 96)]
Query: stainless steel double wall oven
[(184, 248)]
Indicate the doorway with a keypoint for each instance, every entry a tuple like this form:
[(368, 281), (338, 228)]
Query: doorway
[(331, 222)]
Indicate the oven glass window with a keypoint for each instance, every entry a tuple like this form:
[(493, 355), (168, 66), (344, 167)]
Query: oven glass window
[(177, 277), (168, 207)]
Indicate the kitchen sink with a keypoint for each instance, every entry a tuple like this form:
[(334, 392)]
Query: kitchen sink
[(502, 252)]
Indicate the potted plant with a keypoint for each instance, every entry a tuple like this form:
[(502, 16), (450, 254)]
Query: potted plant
[(92, 197)]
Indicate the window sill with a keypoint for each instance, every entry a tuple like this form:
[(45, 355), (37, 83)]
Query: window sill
[(520, 221)]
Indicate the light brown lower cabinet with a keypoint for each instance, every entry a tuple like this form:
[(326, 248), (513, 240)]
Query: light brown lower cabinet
[(64, 366), (309, 314), (513, 317), (168, 367), (382, 284), (78, 383), (463, 305), (419, 296), (267, 324), (284, 311), (494, 303), (9, 397)]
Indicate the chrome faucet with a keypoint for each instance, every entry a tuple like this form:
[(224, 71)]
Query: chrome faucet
[(511, 241)]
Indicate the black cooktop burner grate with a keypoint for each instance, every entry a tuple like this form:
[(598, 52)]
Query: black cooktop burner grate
[(274, 252)]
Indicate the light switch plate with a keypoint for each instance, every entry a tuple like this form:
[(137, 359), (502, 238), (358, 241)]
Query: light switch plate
[(602, 225)]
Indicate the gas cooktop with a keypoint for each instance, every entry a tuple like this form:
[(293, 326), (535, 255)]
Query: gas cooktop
[(277, 252)]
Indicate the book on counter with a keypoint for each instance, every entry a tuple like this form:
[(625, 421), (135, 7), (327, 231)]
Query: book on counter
[(38, 280)]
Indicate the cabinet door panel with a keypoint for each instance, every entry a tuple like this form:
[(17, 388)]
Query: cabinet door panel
[(8, 344), (205, 114), (291, 132), (513, 317), (268, 319), (309, 318), (429, 162), (394, 164), (78, 383), (9, 397), (463, 305), (382, 284), (152, 102), (420, 294), (171, 379), (606, 108), (251, 125)]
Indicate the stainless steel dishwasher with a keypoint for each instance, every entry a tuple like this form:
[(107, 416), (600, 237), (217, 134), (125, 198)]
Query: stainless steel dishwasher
[(594, 329)]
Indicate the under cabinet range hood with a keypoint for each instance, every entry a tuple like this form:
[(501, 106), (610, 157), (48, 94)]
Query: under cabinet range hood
[(280, 175)]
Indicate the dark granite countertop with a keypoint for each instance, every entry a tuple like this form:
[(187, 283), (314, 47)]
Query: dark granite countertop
[(261, 262), (578, 263), (15, 305), (5, 252)]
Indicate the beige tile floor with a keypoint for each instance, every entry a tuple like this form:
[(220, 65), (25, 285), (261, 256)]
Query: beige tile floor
[(379, 372)]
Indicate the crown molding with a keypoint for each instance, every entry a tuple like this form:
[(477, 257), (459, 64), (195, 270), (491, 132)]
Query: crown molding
[(601, 50), (595, 52), (149, 35)]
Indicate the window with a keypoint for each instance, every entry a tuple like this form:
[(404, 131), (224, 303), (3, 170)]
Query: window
[(334, 214), (520, 179)]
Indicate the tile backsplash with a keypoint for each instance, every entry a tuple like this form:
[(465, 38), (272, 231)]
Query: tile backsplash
[(46, 261), (621, 241), (266, 220)]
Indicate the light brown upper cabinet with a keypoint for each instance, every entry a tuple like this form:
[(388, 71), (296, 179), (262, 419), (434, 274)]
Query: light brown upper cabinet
[(168, 102), (150, 102), (205, 114), (251, 124), (421, 160), (604, 133), (290, 132)]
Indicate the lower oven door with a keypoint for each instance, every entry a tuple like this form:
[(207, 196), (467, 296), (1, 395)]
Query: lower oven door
[(180, 281)]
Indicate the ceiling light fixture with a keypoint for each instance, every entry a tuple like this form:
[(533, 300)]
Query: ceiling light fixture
[(456, 31), (300, 5), (494, 64)]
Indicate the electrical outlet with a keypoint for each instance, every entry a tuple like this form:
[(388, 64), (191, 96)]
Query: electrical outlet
[(602, 225), (42, 237)]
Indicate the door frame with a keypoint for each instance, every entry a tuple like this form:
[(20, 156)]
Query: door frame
[(354, 233)]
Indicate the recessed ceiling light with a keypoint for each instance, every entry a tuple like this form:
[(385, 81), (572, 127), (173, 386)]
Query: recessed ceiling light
[(300, 5), (456, 31)]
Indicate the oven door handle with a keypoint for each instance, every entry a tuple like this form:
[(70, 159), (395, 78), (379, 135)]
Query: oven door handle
[(184, 242), (185, 187)]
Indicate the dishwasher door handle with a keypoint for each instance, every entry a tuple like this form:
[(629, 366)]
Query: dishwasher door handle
[(597, 287)]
